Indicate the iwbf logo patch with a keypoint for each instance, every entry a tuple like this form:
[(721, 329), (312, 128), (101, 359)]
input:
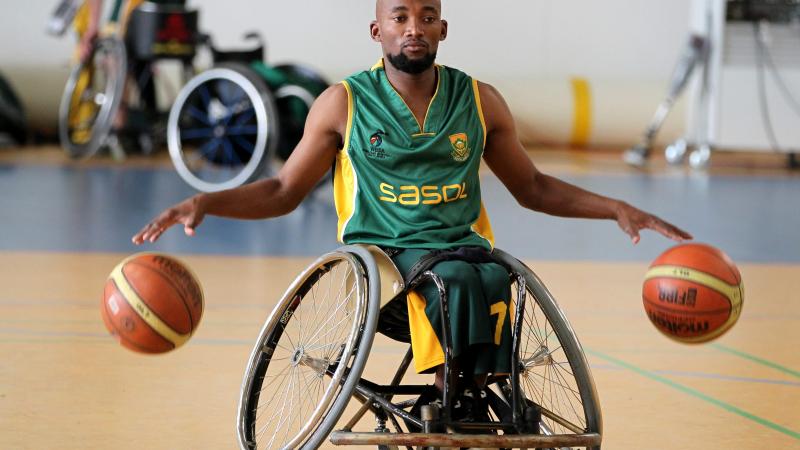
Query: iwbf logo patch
[(375, 150), (460, 145)]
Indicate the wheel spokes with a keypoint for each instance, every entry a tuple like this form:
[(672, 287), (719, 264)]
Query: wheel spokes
[(298, 383), (546, 376)]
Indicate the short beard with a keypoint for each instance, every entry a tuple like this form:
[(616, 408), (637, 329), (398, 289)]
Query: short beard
[(412, 66)]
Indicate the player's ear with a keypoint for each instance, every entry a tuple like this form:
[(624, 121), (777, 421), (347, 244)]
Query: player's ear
[(444, 30), (375, 31)]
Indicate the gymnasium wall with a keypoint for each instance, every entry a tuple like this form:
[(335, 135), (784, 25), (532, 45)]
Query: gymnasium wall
[(578, 71)]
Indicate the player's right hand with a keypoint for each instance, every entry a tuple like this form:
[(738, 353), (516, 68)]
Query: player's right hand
[(189, 212)]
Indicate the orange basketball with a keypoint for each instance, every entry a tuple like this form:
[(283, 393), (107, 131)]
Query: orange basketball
[(693, 293), (152, 303)]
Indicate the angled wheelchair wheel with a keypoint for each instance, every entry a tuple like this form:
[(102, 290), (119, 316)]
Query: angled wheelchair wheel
[(91, 99), (553, 371), (310, 353), (294, 100), (223, 128)]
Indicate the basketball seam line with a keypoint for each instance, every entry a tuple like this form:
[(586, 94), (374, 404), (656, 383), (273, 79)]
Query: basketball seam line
[(174, 287), (700, 271), (726, 260), (135, 291), (124, 338), (679, 311), (729, 321), (181, 337), (724, 294)]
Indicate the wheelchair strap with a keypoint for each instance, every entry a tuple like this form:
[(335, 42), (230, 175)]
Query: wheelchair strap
[(477, 255)]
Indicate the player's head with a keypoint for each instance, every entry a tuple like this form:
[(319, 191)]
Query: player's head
[(409, 32)]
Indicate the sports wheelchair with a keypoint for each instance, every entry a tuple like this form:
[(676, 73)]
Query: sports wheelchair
[(145, 36), (307, 364), (225, 126), (229, 124)]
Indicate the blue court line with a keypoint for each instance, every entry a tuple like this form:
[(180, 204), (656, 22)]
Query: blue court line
[(697, 394), (107, 340), (49, 341), (98, 320), (236, 342), (97, 337), (50, 302), (756, 359), (96, 304), (42, 333)]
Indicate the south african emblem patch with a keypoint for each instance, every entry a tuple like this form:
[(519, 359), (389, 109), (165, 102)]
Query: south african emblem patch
[(460, 146)]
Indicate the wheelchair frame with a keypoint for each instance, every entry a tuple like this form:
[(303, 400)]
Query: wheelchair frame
[(88, 108), (79, 97), (374, 276)]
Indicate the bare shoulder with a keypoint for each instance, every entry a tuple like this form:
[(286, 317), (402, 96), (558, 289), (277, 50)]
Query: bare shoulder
[(336, 93), (488, 92), (495, 108), (330, 109), (333, 99)]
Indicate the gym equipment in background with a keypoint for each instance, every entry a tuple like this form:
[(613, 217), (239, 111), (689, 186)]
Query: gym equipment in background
[(745, 41), (693, 56)]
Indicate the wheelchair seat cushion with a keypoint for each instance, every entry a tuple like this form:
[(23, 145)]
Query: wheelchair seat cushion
[(470, 254)]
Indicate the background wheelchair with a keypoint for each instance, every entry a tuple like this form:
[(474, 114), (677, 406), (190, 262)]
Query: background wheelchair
[(145, 36), (308, 361), (226, 125), (230, 123)]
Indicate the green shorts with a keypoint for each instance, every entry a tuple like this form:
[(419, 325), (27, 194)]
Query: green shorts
[(478, 300)]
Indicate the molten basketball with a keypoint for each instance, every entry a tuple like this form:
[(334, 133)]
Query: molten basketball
[(152, 303), (693, 293)]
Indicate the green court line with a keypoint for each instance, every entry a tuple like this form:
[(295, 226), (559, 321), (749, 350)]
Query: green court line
[(697, 394), (756, 359)]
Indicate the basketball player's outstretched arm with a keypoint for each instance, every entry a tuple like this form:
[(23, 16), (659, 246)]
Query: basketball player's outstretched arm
[(271, 197), (535, 190)]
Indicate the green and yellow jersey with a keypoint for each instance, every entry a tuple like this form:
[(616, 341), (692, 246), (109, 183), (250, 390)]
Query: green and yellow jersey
[(401, 183)]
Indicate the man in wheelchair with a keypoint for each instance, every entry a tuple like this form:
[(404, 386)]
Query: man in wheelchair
[(406, 139)]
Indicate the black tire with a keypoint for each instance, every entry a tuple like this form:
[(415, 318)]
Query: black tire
[(209, 152)]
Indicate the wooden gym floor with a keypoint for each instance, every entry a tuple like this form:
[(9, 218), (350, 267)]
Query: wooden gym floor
[(65, 384)]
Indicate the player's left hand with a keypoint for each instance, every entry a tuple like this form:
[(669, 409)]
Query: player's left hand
[(632, 220)]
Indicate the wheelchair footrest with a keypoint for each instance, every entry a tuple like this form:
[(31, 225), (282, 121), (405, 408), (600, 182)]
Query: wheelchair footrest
[(466, 440)]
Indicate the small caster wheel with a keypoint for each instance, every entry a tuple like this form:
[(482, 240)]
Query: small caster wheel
[(700, 158), (637, 155), (675, 152)]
